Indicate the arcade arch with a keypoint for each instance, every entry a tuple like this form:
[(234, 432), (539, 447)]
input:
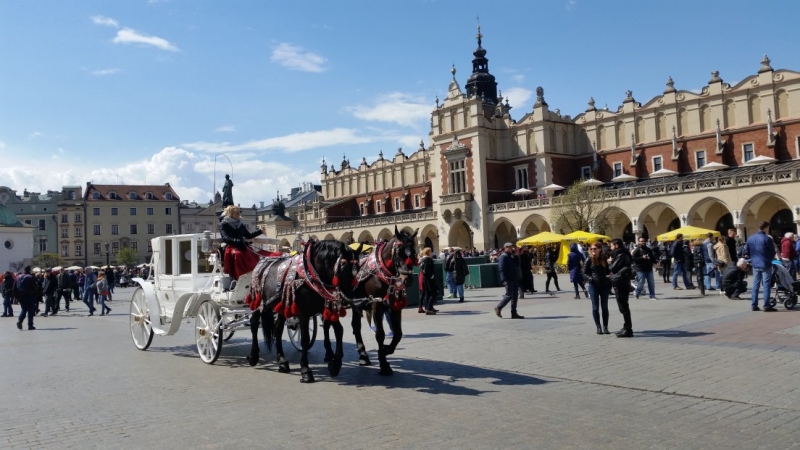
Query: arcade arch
[(329, 237), (366, 237), (770, 207), (429, 237), (459, 235), (619, 225), (711, 214), (658, 218), (534, 224), (504, 232), (385, 234)]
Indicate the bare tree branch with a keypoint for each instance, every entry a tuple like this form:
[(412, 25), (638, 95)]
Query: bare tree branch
[(584, 207)]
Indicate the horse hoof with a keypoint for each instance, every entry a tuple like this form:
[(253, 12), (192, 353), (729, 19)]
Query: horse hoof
[(364, 361), (334, 367), (307, 378), (329, 356), (386, 372), (283, 368), (253, 360)]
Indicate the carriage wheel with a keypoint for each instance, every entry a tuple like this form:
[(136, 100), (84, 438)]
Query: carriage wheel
[(141, 327), (293, 329), (773, 302), (790, 302), (206, 332)]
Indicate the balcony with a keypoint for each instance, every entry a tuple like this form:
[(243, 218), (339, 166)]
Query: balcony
[(456, 205), (372, 221)]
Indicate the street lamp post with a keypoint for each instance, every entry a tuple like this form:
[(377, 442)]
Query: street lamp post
[(108, 261)]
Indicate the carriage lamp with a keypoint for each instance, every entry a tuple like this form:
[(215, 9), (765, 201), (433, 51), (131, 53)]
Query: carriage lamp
[(205, 242)]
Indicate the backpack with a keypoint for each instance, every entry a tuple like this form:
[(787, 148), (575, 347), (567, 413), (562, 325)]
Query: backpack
[(26, 285)]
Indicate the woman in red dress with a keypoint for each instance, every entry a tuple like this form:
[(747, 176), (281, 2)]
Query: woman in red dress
[(239, 257)]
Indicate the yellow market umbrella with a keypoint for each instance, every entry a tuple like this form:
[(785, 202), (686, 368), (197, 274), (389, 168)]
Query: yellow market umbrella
[(688, 232), (584, 236), (545, 237), (366, 249)]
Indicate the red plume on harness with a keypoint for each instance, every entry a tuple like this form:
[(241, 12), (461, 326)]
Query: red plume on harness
[(336, 280), (410, 262)]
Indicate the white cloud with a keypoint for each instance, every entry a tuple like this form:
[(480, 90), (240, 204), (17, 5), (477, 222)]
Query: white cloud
[(104, 72), (290, 143), (2, 144), (517, 96), (225, 129), (297, 58), (105, 21), (395, 107), (130, 36)]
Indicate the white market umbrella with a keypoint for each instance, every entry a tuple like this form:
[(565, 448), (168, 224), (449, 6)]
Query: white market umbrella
[(74, 268), (592, 182), (624, 177), (553, 187), (663, 173), (36, 269), (760, 160), (56, 268), (522, 191), (714, 166)]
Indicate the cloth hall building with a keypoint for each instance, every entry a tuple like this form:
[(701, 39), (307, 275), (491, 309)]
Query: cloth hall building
[(728, 156)]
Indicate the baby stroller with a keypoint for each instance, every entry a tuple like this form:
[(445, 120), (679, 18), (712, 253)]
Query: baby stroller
[(784, 288)]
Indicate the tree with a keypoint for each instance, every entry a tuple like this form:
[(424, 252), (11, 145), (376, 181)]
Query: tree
[(584, 207), (127, 257), (48, 260)]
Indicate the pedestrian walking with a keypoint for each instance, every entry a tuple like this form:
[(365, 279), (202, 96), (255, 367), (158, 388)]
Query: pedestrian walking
[(426, 282), (525, 263), (709, 255), (27, 296), (550, 257), (761, 249), (460, 272), (449, 276), (621, 275), (509, 265), (102, 293), (666, 262), (643, 259), (64, 282), (50, 286), (574, 265), (8, 294), (679, 262), (89, 289), (596, 272)]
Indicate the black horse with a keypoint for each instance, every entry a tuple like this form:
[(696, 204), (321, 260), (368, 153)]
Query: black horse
[(315, 283), (383, 278)]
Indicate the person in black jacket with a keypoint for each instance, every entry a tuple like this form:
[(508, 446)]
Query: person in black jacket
[(458, 266), (678, 253), (239, 258), (509, 266), (64, 282), (733, 283), (596, 273), (426, 283), (8, 294), (50, 286), (621, 273), (643, 260), (550, 267)]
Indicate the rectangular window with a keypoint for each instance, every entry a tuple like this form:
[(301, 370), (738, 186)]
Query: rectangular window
[(397, 203), (78, 217), (78, 232), (361, 208), (114, 229), (64, 233), (28, 222), (42, 224), (97, 248), (96, 211), (458, 176), (416, 201), (522, 178), (96, 229), (149, 247), (64, 250), (168, 211), (150, 211), (64, 218), (700, 158), (151, 229), (748, 152), (169, 228), (115, 211), (617, 169), (78, 250), (378, 207), (134, 228), (43, 245), (134, 246), (586, 172), (133, 211), (115, 247), (657, 163)]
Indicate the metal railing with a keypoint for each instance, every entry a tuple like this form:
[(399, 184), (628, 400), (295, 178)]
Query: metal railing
[(371, 221)]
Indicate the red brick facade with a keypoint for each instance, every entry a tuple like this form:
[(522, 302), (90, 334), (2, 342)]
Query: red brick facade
[(350, 209), (470, 182)]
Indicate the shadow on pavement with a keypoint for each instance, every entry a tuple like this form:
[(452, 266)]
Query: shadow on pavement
[(558, 317), (423, 335), (442, 312), (672, 333), (40, 328)]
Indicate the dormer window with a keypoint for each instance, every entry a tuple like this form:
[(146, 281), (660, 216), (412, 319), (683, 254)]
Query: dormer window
[(132, 195), (168, 196), (112, 195), (71, 195), (149, 196), (95, 196)]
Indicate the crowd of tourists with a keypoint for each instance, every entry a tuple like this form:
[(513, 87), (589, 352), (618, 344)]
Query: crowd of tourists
[(41, 293)]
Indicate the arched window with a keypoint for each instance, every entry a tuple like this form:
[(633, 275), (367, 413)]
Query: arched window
[(112, 195), (149, 196), (705, 118), (132, 195), (95, 196), (782, 105), (683, 122), (168, 196), (640, 133), (754, 105), (601, 137), (621, 134), (661, 126), (730, 114)]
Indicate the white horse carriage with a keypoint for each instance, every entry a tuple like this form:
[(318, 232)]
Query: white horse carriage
[(186, 281)]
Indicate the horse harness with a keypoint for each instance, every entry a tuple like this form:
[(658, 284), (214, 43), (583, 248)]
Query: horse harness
[(374, 265)]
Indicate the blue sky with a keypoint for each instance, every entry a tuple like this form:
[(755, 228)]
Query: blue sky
[(151, 90)]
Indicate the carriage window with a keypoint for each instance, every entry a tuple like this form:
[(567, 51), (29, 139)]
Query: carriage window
[(167, 257), (185, 257)]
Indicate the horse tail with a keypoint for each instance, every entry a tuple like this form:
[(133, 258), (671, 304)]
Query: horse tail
[(268, 319)]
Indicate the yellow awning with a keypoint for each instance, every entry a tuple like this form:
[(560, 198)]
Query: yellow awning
[(584, 236), (545, 237), (688, 232), (366, 249)]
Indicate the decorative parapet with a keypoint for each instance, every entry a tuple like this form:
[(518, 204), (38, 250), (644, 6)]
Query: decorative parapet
[(361, 223), (455, 198)]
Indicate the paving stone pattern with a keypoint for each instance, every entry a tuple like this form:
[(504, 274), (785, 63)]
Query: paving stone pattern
[(701, 373)]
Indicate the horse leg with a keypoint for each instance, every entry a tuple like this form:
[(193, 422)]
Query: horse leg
[(283, 363), (355, 321), (377, 312), (306, 376), (326, 329), (397, 319), (255, 318), (335, 365)]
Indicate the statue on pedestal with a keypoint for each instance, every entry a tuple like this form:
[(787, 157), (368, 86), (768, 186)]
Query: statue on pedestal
[(227, 192)]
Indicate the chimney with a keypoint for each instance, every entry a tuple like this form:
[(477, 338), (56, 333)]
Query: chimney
[(262, 204)]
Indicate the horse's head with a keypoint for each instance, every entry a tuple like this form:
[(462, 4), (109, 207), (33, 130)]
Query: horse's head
[(404, 254), (345, 270)]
